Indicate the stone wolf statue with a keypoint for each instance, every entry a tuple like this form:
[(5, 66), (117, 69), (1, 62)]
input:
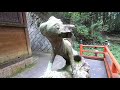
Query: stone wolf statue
[(58, 33)]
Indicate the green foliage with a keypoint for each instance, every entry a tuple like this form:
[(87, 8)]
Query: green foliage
[(115, 49), (75, 17), (86, 27), (97, 26), (83, 30), (76, 46)]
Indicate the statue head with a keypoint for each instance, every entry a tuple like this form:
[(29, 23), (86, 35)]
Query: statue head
[(55, 27)]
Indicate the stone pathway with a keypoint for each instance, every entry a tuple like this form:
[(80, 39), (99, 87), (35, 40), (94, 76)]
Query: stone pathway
[(38, 69), (41, 61), (97, 68)]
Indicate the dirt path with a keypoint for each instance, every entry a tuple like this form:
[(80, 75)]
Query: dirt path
[(113, 38), (38, 69)]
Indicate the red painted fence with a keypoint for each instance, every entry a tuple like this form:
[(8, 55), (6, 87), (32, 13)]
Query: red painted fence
[(111, 64)]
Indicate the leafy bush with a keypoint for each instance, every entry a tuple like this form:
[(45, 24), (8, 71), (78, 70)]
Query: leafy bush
[(115, 49), (85, 27), (83, 30)]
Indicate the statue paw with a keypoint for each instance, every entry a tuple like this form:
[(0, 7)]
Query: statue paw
[(47, 73), (48, 70)]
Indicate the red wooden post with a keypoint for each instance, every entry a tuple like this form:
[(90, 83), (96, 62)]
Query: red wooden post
[(114, 69), (96, 51), (105, 50), (81, 49)]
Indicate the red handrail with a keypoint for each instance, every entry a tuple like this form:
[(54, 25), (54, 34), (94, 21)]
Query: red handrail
[(112, 70), (117, 65), (92, 46)]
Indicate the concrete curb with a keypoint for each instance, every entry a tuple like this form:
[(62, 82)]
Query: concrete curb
[(14, 68)]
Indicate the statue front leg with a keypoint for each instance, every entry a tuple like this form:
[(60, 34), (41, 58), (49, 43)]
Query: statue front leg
[(72, 62), (50, 63)]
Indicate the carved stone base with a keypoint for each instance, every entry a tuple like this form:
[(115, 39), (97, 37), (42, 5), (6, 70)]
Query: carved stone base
[(81, 71)]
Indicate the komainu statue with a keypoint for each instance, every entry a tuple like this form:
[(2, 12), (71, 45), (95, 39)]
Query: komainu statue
[(59, 35)]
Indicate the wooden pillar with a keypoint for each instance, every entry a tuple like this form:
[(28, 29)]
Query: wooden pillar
[(81, 49)]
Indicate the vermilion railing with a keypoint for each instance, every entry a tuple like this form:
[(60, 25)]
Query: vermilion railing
[(111, 64)]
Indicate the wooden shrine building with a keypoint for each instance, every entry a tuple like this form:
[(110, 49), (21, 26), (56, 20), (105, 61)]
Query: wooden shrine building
[(15, 50)]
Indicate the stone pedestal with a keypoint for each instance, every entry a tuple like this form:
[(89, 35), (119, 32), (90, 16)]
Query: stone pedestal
[(81, 70), (9, 70)]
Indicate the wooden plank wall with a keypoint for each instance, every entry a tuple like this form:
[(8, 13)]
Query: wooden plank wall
[(13, 43), (14, 38)]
